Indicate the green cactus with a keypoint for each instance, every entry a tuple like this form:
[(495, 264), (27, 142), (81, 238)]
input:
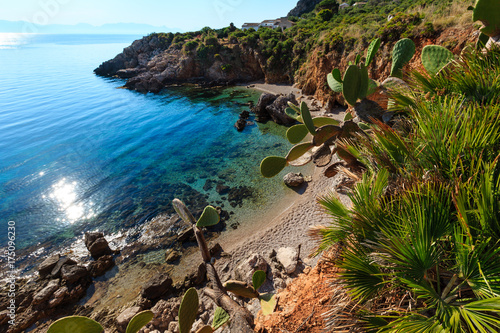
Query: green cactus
[(220, 318), (298, 150), (139, 321), (296, 133), (258, 279), (372, 49), (488, 12), (401, 54), (333, 82), (363, 89), (209, 217), (242, 289), (434, 58), (272, 165), (322, 121), (75, 324), (352, 84), (291, 113), (188, 310), (294, 107), (326, 133), (306, 118), (267, 303)]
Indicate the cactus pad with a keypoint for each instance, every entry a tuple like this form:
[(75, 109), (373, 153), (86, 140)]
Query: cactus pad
[(322, 121), (333, 83), (183, 212), (352, 84), (296, 133), (209, 217), (294, 107), (488, 12), (205, 329), (363, 89), (272, 165), (75, 324), (434, 58), (139, 321), (326, 133), (241, 289), (298, 150), (188, 310), (258, 279), (306, 117), (267, 303), (401, 54), (220, 318), (372, 50)]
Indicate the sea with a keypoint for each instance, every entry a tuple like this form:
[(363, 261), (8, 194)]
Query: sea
[(80, 153)]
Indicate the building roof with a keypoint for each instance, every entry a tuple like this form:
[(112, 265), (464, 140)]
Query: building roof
[(251, 24), (270, 21)]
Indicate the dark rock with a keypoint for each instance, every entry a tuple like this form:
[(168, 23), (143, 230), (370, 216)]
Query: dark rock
[(58, 297), (277, 110), (45, 293), (157, 286), (260, 109), (208, 185), (303, 6), (101, 265), (48, 265), (97, 245), (129, 72), (222, 189), (293, 179), (240, 124), (73, 273), (186, 235), (215, 250), (244, 115), (56, 271), (172, 256), (198, 276)]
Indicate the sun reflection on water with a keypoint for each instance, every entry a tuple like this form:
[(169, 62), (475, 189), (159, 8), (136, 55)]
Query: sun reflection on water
[(11, 40), (64, 193)]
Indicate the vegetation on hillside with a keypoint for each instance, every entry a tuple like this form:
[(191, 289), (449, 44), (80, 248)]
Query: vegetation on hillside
[(326, 28)]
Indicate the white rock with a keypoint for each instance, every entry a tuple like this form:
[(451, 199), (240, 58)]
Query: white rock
[(288, 257), (124, 318)]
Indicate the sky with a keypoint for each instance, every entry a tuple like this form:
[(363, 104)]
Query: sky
[(186, 15)]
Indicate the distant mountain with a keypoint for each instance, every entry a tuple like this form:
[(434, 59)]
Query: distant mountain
[(83, 28), (303, 6)]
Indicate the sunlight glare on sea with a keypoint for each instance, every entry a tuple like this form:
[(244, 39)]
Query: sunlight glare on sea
[(65, 195), (12, 40)]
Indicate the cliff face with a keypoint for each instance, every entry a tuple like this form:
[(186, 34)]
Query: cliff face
[(311, 77), (303, 6), (149, 64)]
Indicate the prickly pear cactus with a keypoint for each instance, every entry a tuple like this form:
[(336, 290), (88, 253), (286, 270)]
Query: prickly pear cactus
[(220, 318), (296, 133), (435, 57), (188, 310), (258, 279), (75, 324), (139, 321), (209, 217), (298, 150), (488, 12), (372, 50), (272, 165), (306, 118), (401, 54), (241, 289), (267, 303), (352, 84)]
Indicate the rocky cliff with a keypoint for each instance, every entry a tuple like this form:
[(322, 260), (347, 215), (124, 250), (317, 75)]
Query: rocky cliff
[(303, 6), (152, 62)]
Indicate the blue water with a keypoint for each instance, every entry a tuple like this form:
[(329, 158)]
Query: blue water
[(77, 153)]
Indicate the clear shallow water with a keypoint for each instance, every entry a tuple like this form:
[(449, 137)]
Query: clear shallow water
[(77, 154)]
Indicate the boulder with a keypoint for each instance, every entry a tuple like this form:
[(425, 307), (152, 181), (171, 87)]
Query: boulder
[(245, 270), (277, 110), (240, 124), (48, 265), (45, 293), (157, 286), (288, 257), (124, 318), (58, 297), (260, 109), (293, 179), (73, 273), (56, 271), (97, 245), (101, 265), (165, 312), (197, 276)]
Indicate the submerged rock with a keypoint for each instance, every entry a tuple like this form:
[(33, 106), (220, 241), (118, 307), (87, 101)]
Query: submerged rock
[(157, 286)]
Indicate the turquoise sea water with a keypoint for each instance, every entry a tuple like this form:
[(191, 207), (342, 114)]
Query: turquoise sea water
[(77, 154)]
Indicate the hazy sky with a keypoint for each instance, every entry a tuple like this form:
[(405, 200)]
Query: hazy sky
[(183, 14)]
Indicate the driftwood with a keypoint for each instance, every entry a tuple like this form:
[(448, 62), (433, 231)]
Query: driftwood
[(241, 318)]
